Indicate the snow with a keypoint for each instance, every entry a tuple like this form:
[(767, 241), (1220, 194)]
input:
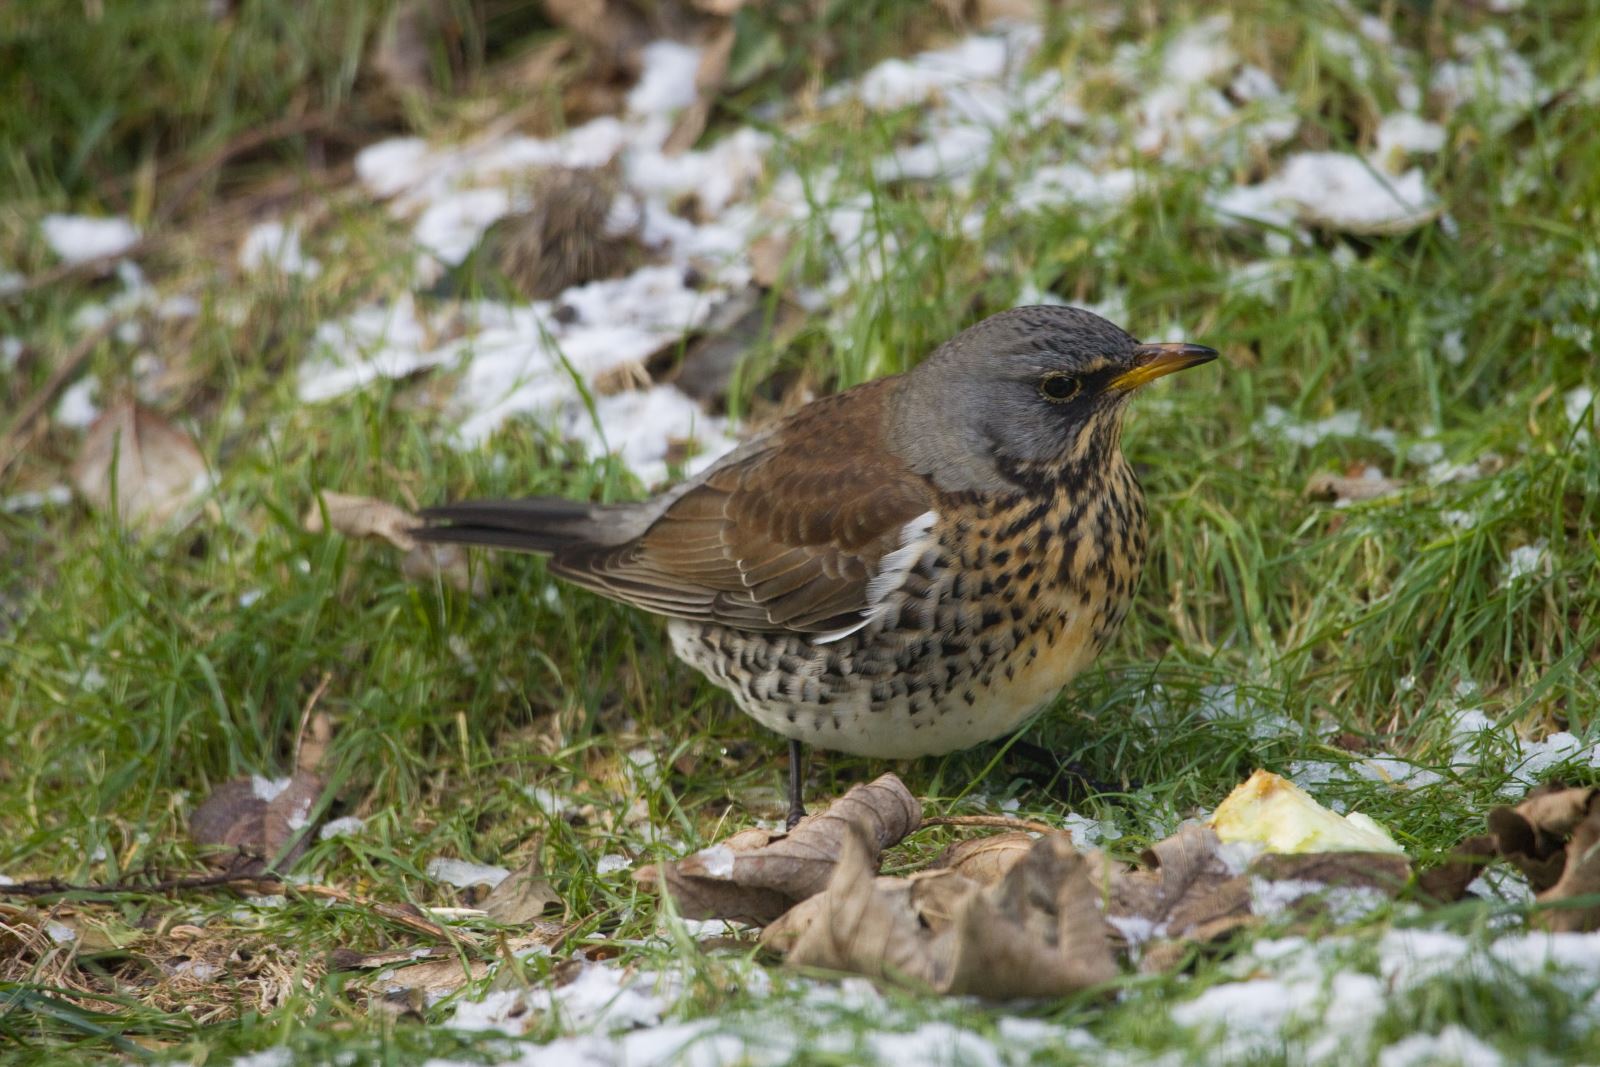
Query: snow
[(76, 409), (611, 863), (464, 873), (275, 246), (268, 789), (600, 997), (1527, 561), (80, 238), (345, 826), (379, 340), (666, 83), (272, 1057), (34, 499), (1453, 1046), (1404, 133), (717, 861), (453, 224), (1337, 190)]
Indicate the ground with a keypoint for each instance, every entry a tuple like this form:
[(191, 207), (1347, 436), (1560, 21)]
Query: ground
[(1373, 564)]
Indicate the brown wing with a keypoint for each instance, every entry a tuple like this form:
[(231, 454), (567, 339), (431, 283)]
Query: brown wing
[(785, 535)]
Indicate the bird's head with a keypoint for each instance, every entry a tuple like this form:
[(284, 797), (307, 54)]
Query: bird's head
[(1034, 390)]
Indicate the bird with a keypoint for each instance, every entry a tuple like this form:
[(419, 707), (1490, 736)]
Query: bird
[(905, 568)]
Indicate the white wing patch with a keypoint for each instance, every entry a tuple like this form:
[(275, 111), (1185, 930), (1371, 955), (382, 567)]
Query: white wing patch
[(916, 538)]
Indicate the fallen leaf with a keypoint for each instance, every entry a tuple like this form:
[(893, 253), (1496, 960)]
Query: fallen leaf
[(1580, 878), (522, 896), (1036, 933), (1183, 887), (157, 469), (755, 878), (1384, 871), (258, 821), (986, 860), (1448, 880), (768, 253), (1533, 836), (360, 516)]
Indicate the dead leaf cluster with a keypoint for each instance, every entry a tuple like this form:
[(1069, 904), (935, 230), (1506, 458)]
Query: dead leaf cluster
[(1551, 838), (1010, 915)]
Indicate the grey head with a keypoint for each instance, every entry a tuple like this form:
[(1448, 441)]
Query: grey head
[(1033, 389)]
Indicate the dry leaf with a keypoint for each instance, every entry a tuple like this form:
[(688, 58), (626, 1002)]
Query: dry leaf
[(1384, 871), (753, 877), (522, 896), (1541, 838), (1183, 887), (1533, 835), (259, 820), (158, 471), (1448, 881), (986, 860), (767, 256), (360, 516), (1036, 933), (1580, 878)]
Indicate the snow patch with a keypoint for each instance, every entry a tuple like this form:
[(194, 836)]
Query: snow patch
[(80, 238), (464, 873)]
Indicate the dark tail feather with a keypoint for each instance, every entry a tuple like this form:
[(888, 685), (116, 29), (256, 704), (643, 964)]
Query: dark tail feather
[(537, 524)]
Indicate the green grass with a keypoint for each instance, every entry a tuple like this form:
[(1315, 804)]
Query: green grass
[(133, 679)]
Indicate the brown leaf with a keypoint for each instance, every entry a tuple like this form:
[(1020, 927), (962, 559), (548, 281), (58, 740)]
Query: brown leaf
[(768, 253), (1448, 881), (754, 878), (1580, 878), (1184, 885), (158, 471), (1036, 933), (361, 516), (702, 885), (1385, 871), (986, 860), (1533, 835), (522, 896), (258, 819)]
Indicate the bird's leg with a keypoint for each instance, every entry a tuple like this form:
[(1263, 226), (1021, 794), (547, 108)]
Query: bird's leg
[(797, 801)]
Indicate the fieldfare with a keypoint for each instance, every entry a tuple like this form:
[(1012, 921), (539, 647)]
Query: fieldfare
[(905, 568)]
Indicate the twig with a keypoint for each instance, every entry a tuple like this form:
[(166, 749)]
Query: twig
[(398, 913), (394, 912), (996, 822), (15, 439), (49, 887)]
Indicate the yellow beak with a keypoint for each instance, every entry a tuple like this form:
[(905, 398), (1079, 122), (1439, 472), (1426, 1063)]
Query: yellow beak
[(1159, 360)]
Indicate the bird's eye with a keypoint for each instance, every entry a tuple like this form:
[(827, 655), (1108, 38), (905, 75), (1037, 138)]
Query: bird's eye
[(1058, 388)]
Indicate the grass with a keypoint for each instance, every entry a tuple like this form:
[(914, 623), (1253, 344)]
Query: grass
[(136, 675)]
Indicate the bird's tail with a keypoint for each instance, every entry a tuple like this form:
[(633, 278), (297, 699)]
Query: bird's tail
[(538, 524)]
